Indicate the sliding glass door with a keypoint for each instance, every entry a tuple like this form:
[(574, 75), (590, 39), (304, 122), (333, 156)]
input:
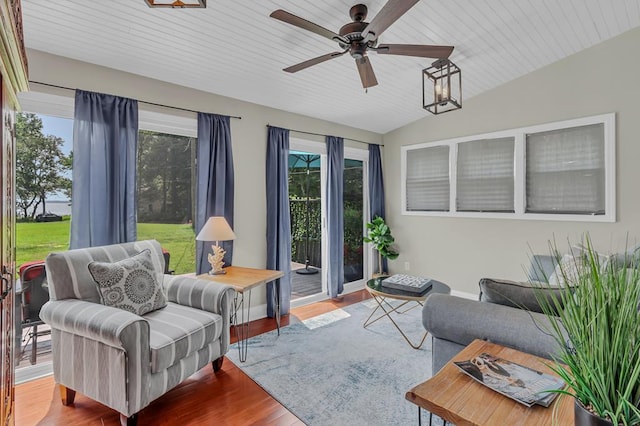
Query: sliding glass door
[(305, 205), (307, 180), (354, 211)]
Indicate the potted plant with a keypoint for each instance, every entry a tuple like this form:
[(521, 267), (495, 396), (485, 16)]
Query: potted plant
[(379, 234), (597, 327)]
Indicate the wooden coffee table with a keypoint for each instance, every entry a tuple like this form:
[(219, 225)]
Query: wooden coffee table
[(459, 399)]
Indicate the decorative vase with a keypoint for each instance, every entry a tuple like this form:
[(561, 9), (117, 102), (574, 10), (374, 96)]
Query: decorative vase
[(584, 417)]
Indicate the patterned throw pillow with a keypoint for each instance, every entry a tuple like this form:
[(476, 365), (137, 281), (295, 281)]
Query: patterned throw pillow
[(129, 284)]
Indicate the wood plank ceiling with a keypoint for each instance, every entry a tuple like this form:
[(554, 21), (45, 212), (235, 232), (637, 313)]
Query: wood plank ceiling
[(234, 49)]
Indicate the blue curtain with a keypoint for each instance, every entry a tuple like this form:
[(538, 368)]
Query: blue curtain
[(214, 186), (335, 215), (376, 188), (105, 141), (376, 183), (278, 218)]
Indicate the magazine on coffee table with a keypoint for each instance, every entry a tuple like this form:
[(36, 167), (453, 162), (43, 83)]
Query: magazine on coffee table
[(522, 384), (407, 283)]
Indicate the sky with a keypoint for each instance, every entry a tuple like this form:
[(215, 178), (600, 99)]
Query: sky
[(62, 128)]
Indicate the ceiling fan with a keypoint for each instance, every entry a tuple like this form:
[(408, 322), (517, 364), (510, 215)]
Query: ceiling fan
[(359, 37)]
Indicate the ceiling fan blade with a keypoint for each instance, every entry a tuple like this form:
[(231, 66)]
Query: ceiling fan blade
[(289, 18), (389, 14), (420, 50), (367, 76), (314, 61)]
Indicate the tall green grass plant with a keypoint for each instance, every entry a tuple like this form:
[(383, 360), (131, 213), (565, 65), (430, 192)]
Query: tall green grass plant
[(598, 331)]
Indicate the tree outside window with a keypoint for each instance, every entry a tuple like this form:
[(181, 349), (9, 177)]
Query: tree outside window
[(40, 166)]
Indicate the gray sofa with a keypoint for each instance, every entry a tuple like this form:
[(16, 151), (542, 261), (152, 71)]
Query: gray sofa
[(507, 312), (117, 357), (454, 322)]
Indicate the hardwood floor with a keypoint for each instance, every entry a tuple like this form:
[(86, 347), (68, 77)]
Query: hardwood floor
[(229, 397)]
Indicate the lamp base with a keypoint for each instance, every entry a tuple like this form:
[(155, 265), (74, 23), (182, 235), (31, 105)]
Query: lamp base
[(220, 272)]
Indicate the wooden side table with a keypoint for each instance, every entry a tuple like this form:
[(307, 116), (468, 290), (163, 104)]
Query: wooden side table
[(243, 280), (459, 399)]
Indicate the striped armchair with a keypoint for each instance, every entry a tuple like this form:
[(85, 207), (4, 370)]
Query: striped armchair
[(118, 358)]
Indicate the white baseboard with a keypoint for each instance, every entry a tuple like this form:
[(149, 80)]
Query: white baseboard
[(32, 372)]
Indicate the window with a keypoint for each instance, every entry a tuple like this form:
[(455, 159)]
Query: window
[(555, 171), (166, 185), (428, 179), (565, 171), (44, 146), (485, 175), (165, 180), (165, 172)]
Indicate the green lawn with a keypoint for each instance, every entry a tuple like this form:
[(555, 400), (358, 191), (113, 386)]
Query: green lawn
[(35, 240), (179, 240)]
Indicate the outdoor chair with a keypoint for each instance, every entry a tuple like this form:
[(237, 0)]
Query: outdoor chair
[(167, 258), (34, 294)]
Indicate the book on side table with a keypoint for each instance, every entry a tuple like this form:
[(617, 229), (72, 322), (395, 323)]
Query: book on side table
[(522, 384), (407, 283)]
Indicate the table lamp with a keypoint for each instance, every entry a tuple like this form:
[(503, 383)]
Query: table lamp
[(216, 229)]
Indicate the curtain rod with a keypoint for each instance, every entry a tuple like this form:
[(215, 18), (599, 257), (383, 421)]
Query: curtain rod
[(143, 102), (319, 134)]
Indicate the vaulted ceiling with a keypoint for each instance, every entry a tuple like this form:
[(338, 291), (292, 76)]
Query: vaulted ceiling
[(233, 48)]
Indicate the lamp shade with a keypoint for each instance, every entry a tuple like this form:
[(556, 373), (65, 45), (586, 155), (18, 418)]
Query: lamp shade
[(216, 229)]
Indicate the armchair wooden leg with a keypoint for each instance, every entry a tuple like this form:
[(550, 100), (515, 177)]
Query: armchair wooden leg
[(67, 395), (129, 421), (217, 364)]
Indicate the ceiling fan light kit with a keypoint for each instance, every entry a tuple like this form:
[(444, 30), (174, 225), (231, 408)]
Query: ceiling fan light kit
[(442, 87), (359, 37), (177, 3)]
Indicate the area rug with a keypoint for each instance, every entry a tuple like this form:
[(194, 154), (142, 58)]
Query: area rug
[(329, 370)]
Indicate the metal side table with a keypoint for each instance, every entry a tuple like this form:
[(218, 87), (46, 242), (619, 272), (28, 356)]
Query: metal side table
[(243, 280), (381, 294)]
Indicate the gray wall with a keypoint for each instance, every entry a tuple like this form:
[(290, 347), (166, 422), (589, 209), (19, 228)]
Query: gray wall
[(248, 135), (460, 251)]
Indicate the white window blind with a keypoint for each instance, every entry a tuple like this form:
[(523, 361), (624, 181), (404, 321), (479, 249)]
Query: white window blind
[(427, 181), (485, 175), (565, 171)]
